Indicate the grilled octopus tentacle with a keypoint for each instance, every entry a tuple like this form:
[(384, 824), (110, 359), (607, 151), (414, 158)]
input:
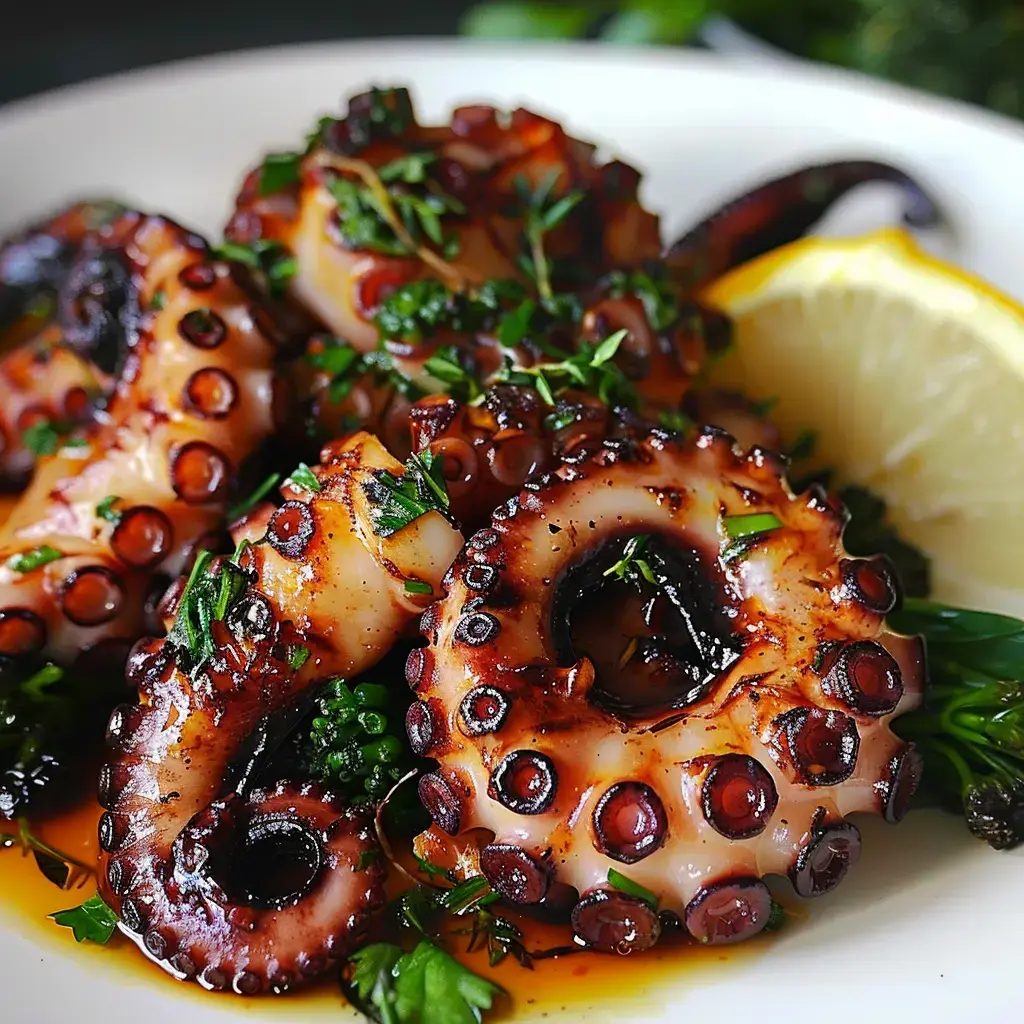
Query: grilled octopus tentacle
[(781, 211), (717, 725), (480, 163), (132, 495), (243, 888), (43, 379)]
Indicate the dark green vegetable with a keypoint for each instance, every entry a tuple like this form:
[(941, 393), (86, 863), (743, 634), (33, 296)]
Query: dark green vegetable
[(279, 170), (302, 476), (45, 436), (357, 741), (971, 728)]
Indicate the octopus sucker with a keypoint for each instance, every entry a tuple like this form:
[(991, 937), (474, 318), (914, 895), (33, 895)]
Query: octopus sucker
[(236, 886), (127, 497), (47, 383), (712, 725)]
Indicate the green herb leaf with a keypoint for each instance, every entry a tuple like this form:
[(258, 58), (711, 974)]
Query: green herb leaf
[(738, 527), (515, 326), (656, 292), (418, 587), (426, 986), (630, 562), (674, 420), (297, 657), (433, 870), (617, 880), (279, 170), (366, 858), (803, 447), (93, 921), (158, 300), (469, 895), (105, 509), (42, 438), (607, 349), (302, 476), (264, 256), (777, 917), (399, 501), (655, 22), (247, 504), (28, 561), (444, 366), (411, 168), (35, 686)]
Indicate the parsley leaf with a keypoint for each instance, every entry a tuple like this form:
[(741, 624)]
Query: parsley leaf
[(541, 216), (206, 599), (279, 170), (105, 509), (268, 258), (590, 369), (444, 366), (745, 530), (298, 657), (28, 561), (418, 587), (396, 502), (617, 880), (304, 477), (410, 168), (93, 921), (655, 291), (630, 564), (426, 986), (249, 503), (35, 686), (44, 437)]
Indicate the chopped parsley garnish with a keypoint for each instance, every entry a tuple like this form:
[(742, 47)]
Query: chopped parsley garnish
[(590, 369), (205, 600), (366, 858), (158, 300), (419, 309), (249, 503), (44, 437), (655, 291), (631, 563), (35, 686), (418, 587), (541, 216), (279, 170), (745, 530), (105, 509), (426, 986), (92, 921), (674, 420), (411, 168), (266, 257), (617, 880), (515, 325), (444, 366), (776, 918), (298, 657), (302, 476), (398, 501), (36, 558)]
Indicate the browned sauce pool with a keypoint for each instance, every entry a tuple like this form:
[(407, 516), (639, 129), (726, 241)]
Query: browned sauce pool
[(574, 983)]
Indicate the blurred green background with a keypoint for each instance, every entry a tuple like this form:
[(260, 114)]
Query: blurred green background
[(969, 49)]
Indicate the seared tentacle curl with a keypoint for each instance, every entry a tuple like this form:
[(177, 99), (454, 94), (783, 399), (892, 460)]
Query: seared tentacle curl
[(456, 212), (45, 382), (713, 726), (131, 496), (240, 888), (781, 211)]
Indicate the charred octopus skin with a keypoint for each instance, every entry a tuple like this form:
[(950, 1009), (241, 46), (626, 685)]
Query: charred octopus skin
[(474, 173), (716, 724), (129, 498), (236, 887), (43, 378)]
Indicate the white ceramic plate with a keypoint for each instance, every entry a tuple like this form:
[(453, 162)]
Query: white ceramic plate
[(929, 925)]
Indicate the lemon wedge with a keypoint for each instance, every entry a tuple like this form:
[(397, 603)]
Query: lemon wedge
[(910, 373)]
